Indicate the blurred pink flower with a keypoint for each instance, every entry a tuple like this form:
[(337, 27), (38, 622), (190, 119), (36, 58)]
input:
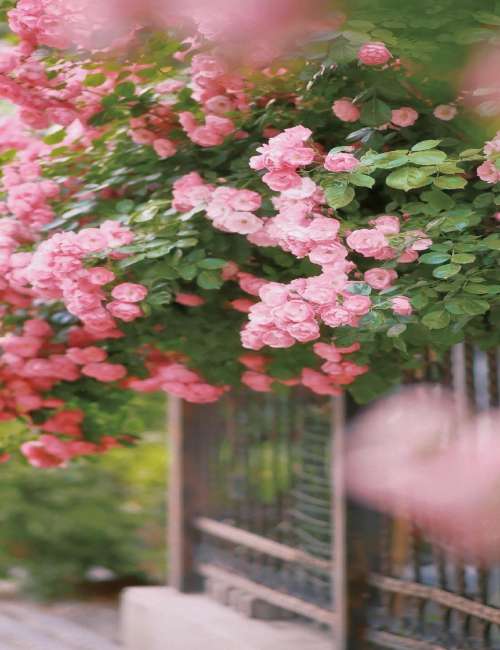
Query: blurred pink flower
[(418, 455)]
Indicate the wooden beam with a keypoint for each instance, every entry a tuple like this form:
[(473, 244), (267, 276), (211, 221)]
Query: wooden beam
[(269, 547), (285, 601)]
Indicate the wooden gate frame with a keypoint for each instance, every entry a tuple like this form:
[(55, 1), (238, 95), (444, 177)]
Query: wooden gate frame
[(350, 572), (187, 521)]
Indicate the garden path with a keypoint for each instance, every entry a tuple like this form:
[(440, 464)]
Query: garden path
[(28, 626)]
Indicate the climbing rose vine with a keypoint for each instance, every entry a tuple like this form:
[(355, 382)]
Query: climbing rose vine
[(193, 200)]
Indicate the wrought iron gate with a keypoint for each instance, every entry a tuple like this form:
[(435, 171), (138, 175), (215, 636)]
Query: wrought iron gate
[(256, 509)]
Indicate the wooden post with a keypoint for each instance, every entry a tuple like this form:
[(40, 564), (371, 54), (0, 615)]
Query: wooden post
[(190, 429), (338, 518), (353, 527)]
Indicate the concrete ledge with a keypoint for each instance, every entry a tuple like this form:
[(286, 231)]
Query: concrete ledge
[(158, 618)]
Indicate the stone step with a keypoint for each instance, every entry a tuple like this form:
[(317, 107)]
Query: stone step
[(158, 618)]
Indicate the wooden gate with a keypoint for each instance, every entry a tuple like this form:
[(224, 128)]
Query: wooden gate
[(258, 508)]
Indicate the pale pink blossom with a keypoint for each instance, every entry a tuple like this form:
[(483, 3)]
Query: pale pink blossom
[(164, 148), (404, 117), (374, 53), (130, 292), (488, 172), (379, 278), (257, 381), (341, 162), (189, 299), (105, 372), (346, 110), (445, 112), (367, 242), (401, 306)]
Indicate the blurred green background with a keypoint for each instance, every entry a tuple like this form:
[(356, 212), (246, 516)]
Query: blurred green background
[(93, 527)]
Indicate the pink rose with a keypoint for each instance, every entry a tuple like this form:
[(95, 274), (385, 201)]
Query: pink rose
[(274, 294), (345, 110), (387, 224), (374, 53), (445, 112), (245, 201), (105, 372), (125, 311), (219, 105), (256, 362), (488, 172), (304, 331), (336, 316), (279, 181), (38, 456), (130, 292), (229, 271), (296, 311), (341, 162), (242, 305), (380, 278), (205, 136), (298, 156), (189, 299), (257, 381), (404, 116), (83, 356), (407, 257), (91, 240), (401, 306), (358, 305), (164, 148), (37, 327), (250, 283), (142, 136), (100, 275), (243, 223), (278, 339), (367, 242)]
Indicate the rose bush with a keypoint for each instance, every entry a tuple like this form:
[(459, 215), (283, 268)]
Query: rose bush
[(181, 214)]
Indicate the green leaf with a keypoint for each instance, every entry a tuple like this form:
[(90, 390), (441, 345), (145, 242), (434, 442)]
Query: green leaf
[(431, 157), (492, 242), (446, 271), (450, 182), (211, 263), (189, 242), (341, 50), (463, 258), (188, 272), (434, 258), (93, 80), (375, 112), (359, 289), (467, 306), (396, 330), (438, 200), (125, 89), (209, 280), (476, 307), (436, 320), (426, 144), (487, 18), (407, 178), (339, 194), (361, 180), (56, 137), (477, 289)]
